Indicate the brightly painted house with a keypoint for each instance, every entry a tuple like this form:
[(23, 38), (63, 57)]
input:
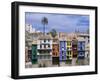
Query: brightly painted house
[(55, 51), (87, 52), (34, 52), (69, 49), (74, 47), (81, 49), (44, 50), (62, 50), (86, 38)]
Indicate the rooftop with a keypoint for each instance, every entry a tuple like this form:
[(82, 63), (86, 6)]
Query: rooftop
[(42, 37), (34, 42)]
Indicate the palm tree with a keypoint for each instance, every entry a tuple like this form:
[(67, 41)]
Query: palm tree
[(44, 22)]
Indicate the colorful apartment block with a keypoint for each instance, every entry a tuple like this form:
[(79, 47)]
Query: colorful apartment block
[(74, 47), (81, 49), (55, 51), (62, 50), (34, 52), (87, 52), (86, 38), (69, 49), (44, 50)]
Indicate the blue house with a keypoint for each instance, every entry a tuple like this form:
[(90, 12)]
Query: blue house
[(81, 49), (62, 50)]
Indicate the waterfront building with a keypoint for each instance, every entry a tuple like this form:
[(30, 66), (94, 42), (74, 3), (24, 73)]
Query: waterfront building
[(44, 50), (69, 48), (55, 51), (34, 52), (81, 49), (62, 50), (87, 52), (28, 63), (74, 47), (86, 38), (28, 46)]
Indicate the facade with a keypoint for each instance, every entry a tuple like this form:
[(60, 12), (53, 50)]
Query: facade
[(62, 50), (86, 38), (30, 36), (55, 54), (74, 47), (69, 49), (87, 52), (81, 49), (34, 52), (26, 55), (55, 51), (44, 50), (28, 45)]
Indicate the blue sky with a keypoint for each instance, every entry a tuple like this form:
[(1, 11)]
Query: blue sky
[(60, 22)]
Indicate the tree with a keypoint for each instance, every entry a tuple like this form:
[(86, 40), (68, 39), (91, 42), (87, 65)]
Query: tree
[(53, 32), (44, 22)]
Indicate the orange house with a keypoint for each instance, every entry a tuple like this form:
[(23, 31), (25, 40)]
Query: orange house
[(55, 51)]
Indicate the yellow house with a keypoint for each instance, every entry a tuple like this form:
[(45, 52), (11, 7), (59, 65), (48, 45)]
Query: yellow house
[(69, 48)]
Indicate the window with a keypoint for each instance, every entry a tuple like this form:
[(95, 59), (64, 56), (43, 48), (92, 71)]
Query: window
[(47, 51), (62, 57), (40, 46), (88, 41), (67, 57), (44, 46), (54, 53), (62, 48), (69, 43), (62, 52), (48, 45), (67, 48), (44, 40), (53, 49), (69, 52), (80, 48)]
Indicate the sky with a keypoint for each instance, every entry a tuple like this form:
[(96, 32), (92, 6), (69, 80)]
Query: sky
[(60, 22)]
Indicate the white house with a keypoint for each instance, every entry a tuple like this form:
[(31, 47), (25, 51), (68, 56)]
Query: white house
[(44, 50)]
